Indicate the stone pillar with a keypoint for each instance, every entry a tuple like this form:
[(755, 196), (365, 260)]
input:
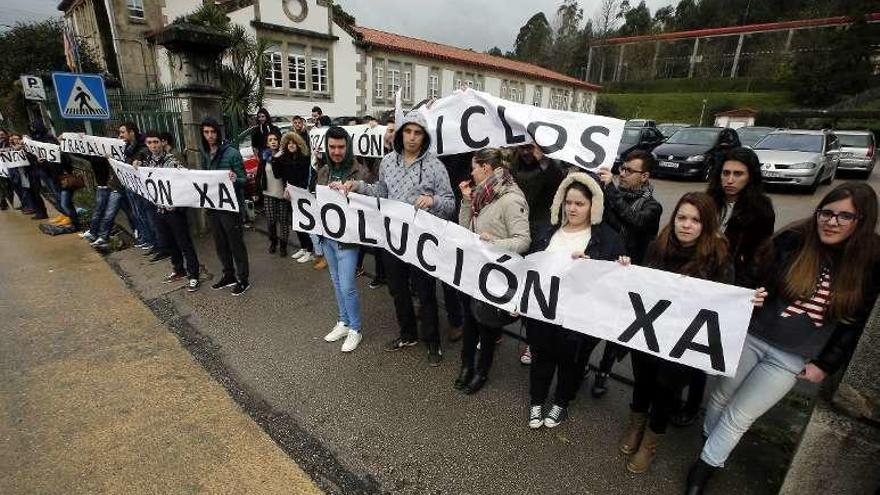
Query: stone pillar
[(739, 47), (840, 450), (654, 62), (618, 72), (589, 63), (694, 57), (196, 53)]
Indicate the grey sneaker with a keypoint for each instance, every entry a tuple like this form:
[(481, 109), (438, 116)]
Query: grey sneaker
[(193, 285)]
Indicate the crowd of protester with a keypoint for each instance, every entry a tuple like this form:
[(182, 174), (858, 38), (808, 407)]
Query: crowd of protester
[(814, 281)]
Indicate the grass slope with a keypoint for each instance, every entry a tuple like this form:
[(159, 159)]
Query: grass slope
[(685, 107)]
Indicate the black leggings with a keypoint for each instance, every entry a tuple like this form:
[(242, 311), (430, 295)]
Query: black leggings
[(474, 332), (657, 387), (559, 351)]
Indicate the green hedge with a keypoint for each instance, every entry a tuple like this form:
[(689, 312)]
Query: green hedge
[(685, 107), (698, 85)]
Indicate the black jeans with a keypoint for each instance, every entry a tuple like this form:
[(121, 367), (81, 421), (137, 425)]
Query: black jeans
[(456, 307), (173, 228), (377, 256), (305, 242), (657, 387), (399, 274), (696, 384), (556, 350), (613, 352), (475, 332), (228, 232)]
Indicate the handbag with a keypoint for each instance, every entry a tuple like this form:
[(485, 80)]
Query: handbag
[(490, 316), (71, 182)]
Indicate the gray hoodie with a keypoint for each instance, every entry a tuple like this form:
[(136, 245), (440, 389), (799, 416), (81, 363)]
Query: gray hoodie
[(426, 175)]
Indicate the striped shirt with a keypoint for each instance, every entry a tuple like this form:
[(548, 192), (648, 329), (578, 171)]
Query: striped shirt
[(816, 306)]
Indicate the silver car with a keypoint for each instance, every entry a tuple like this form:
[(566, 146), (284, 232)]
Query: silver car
[(799, 158), (858, 151)]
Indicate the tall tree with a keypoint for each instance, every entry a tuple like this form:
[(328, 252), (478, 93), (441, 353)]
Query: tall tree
[(495, 51), (534, 40), (663, 18), (636, 20), (567, 36)]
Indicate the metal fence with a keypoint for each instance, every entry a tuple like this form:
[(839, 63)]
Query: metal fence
[(154, 109)]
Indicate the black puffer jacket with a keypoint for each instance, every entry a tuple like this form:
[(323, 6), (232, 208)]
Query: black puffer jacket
[(828, 346), (636, 216), (747, 231)]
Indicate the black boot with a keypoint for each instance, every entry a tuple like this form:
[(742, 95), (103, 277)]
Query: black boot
[(464, 376), (476, 383), (698, 477), (282, 250), (273, 245), (600, 385)]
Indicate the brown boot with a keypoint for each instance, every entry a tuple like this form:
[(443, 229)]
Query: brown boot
[(642, 459), (630, 442)]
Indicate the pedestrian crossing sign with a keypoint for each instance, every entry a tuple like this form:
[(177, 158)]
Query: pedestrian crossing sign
[(81, 96)]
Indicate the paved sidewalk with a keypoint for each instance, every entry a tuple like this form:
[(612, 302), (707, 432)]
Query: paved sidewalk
[(379, 422), (97, 396)]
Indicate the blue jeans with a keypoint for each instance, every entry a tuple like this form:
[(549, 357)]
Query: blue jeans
[(343, 266), (765, 374), (107, 204), (66, 206), (316, 242)]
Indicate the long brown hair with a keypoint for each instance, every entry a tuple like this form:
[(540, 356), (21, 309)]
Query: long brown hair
[(301, 148), (853, 262), (711, 251)]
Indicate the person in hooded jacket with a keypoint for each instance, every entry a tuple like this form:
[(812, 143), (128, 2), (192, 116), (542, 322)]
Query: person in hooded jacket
[(226, 226), (341, 167), (413, 175), (495, 208), (822, 278), (576, 230), (691, 245)]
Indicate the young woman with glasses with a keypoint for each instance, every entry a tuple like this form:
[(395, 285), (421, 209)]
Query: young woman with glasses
[(821, 283)]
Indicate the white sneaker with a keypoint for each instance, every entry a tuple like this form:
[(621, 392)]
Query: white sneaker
[(339, 331), (299, 254), (99, 242), (351, 341), (306, 258), (85, 234)]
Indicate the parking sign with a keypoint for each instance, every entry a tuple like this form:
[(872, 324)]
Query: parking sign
[(32, 87)]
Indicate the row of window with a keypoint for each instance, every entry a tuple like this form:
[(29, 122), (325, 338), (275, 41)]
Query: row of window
[(393, 77), (302, 73), (135, 9)]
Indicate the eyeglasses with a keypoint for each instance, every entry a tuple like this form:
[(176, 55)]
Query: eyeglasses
[(844, 218), (626, 170)]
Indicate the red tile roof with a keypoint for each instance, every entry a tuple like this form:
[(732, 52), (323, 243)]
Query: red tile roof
[(739, 112), (421, 48)]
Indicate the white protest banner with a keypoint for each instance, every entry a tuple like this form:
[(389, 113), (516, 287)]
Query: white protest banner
[(174, 187), (43, 151), (686, 320), (470, 120), (85, 144), (12, 158), (365, 140)]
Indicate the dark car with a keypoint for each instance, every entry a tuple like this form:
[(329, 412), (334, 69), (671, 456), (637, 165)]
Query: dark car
[(693, 151), (636, 138), (345, 120)]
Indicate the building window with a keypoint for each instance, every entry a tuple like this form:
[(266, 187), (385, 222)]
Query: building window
[(319, 72), (393, 81), (380, 80), (504, 90), (537, 97), (479, 86), (407, 86), (136, 9), (434, 86), (296, 69), (274, 74)]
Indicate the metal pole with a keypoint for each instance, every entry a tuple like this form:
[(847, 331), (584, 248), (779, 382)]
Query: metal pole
[(702, 112), (739, 47)]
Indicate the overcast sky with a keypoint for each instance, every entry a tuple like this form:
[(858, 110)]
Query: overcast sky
[(476, 24)]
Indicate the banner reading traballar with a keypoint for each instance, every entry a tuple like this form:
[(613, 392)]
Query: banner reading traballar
[(686, 320), (174, 187), (85, 144)]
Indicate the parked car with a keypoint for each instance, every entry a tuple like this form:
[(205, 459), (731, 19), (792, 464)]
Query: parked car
[(640, 123), (750, 135), (693, 151), (252, 162), (670, 128), (636, 138), (344, 120), (858, 151), (800, 158)]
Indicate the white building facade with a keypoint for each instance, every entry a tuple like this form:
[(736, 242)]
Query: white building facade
[(315, 62)]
